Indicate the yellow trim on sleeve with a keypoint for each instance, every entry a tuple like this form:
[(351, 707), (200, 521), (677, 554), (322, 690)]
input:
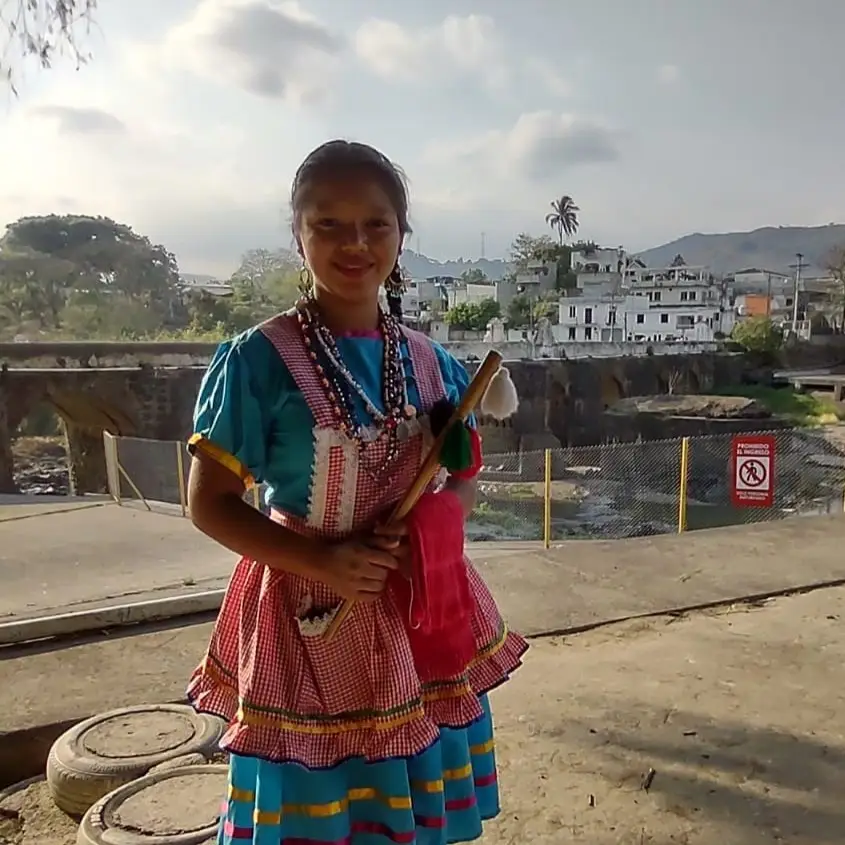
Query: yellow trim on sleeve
[(204, 445)]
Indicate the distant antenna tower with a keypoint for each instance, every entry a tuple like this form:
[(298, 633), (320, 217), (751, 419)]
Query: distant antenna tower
[(483, 244), (418, 245)]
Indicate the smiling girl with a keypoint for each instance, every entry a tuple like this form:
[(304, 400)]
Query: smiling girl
[(339, 740)]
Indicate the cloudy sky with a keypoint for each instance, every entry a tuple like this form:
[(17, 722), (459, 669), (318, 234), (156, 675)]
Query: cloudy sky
[(660, 117)]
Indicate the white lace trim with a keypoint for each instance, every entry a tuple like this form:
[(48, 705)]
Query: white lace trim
[(327, 438), (318, 495)]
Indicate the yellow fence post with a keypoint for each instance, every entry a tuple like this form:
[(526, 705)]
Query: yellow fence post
[(180, 469), (682, 490), (256, 497), (547, 500)]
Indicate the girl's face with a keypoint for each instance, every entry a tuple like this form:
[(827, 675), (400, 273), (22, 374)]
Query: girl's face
[(349, 236)]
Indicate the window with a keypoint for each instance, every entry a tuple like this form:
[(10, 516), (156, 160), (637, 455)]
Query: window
[(658, 295), (687, 296), (588, 316), (573, 313), (572, 332), (640, 318), (664, 318), (588, 333), (611, 317)]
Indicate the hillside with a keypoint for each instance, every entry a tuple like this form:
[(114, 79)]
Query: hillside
[(770, 248), (421, 266)]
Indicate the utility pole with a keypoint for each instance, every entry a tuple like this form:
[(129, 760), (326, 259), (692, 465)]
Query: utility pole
[(798, 266), (768, 294), (483, 244)]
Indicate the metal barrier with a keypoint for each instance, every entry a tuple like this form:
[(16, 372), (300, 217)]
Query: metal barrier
[(606, 491)]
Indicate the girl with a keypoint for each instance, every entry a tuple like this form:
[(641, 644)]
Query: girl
[(339, 740)]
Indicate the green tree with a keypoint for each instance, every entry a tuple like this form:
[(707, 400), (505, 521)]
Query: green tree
[(474, 277), (678, 261), (42, 29), (524, 311), (759, 336), (526, 248), (473, 316), (563, 217), (107, 257)]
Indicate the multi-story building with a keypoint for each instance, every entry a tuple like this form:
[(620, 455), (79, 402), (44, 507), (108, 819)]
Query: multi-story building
[(599, 269), (675, 304), (597, 317), (662, 305)]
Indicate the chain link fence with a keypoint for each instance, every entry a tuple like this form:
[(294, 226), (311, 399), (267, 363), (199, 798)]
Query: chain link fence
[(607, 491)]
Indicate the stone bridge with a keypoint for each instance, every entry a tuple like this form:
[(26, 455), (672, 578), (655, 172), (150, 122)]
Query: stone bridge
[(148, 389)]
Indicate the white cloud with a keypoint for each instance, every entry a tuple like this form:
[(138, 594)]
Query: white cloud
[(536, 147), (471, 45), (458, 43), (668, 74), (272, 50), (80, 120)]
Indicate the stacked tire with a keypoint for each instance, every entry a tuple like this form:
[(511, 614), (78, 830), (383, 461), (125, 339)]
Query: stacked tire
[(141, 776)]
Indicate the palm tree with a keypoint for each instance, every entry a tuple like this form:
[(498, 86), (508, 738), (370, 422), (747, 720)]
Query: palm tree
[(563, 217)]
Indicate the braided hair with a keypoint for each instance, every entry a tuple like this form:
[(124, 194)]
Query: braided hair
[(341, 156)]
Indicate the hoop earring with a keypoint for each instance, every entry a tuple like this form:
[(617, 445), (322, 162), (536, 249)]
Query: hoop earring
[(394, 284), (306, 282)]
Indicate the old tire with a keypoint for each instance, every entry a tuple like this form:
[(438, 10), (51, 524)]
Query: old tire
[(104, 752), (177, 807)]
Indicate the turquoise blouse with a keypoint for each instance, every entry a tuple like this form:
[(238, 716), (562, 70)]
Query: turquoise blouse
[(250, 408)]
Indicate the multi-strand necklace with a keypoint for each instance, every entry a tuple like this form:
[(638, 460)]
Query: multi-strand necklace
[(340, 385)]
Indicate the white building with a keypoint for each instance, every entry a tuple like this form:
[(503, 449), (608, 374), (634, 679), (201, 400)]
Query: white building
[(585, 318), (665, 305), (675, 304)]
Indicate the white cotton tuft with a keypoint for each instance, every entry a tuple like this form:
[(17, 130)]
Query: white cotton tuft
[(500, 400)]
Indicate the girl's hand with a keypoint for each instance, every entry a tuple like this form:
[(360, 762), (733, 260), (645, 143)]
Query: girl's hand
[(393, 538), (358, 570)]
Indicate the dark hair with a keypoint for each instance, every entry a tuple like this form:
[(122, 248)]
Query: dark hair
[(341, 156)]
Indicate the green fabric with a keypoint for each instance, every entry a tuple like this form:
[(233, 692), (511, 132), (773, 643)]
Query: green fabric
[(456, 452)]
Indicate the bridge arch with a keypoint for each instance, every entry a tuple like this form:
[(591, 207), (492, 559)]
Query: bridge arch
[(88, 403)]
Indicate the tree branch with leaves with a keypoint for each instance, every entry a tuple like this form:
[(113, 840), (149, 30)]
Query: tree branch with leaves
[(42, 29)]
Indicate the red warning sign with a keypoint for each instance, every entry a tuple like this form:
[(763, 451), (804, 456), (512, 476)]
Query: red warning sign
[(752, 471)]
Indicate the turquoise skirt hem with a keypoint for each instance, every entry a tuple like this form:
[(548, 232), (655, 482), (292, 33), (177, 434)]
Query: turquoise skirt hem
[(437, 797)]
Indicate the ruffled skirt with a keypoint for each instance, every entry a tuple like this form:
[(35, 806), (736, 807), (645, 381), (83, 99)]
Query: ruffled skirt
[(440, 796), (341, 741)]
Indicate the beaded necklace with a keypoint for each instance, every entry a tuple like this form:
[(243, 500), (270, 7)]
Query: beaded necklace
[(339, 384)]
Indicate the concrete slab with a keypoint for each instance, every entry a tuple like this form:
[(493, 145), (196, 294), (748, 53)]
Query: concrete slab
[(583, 582), (93, 558), (88, 555)]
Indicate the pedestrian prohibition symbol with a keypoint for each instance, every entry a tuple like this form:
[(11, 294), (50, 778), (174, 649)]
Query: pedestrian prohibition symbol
[(752, 470)]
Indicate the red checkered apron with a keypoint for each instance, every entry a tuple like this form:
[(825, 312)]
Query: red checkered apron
[(294, 697)]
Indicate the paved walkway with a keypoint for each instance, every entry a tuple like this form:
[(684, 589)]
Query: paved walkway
[(108, 554)]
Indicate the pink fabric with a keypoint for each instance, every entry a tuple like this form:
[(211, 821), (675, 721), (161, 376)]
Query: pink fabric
[(442, 604), (373, 334)]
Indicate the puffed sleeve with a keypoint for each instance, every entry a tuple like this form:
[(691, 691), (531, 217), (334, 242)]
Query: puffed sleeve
[(232, 412), (455, 378)]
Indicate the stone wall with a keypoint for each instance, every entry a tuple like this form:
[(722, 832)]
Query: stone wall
[(138, 402), (562, 403)]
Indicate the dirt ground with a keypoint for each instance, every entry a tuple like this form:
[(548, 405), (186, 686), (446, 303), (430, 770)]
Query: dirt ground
[(740, 716), (726, 727)]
